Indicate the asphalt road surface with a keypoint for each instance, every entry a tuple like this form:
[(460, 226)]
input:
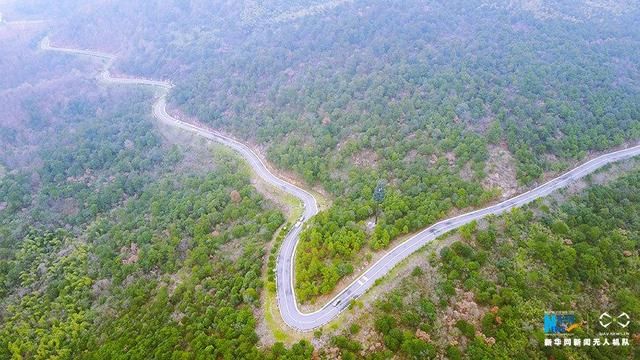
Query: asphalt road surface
[(287, 303)]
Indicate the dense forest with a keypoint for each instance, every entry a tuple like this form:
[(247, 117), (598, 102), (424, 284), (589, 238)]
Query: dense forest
[(114, 237), (420, 96), (493, 286)]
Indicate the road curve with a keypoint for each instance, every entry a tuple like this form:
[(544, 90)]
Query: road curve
[(287, 303)]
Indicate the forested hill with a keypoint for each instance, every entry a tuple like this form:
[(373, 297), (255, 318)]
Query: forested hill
[(553, 80), (116, 243), (117, 240), (485, 295), (448, 104), (374, 73)]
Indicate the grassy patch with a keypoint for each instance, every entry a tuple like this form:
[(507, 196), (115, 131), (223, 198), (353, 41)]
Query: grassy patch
[(273, 320)]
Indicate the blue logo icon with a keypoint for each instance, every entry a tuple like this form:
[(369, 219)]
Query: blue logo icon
[(559, 323)]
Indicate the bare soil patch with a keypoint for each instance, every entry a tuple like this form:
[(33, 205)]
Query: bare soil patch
[(501, 171), (365, 159)]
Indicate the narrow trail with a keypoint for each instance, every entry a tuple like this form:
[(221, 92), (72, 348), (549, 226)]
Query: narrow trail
[(287, 303)]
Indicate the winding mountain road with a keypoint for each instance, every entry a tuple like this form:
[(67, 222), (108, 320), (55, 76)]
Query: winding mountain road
[(287, 303)]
